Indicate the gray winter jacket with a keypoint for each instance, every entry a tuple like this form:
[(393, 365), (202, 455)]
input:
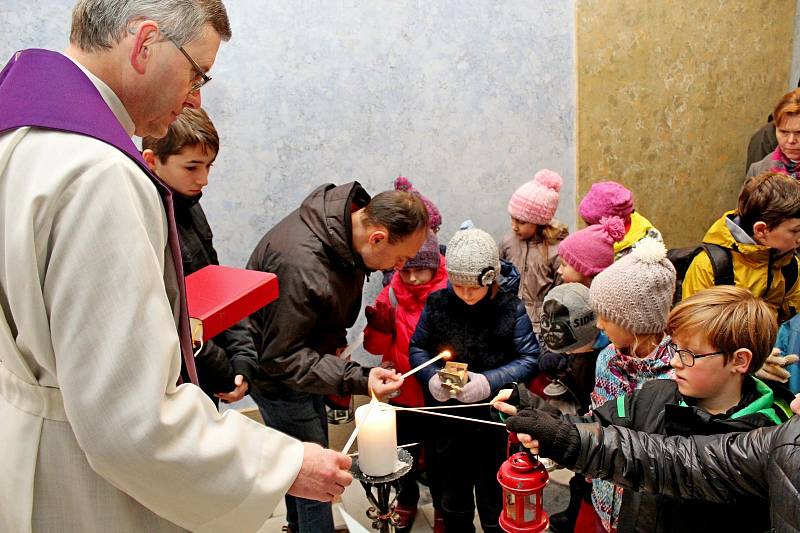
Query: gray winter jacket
[(736, 467)]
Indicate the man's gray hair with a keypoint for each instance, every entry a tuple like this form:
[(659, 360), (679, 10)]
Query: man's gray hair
[(100, 24)]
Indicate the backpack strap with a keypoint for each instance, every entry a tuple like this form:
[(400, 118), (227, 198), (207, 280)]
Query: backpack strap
[(721, 263), (789, 272), (392, 297)]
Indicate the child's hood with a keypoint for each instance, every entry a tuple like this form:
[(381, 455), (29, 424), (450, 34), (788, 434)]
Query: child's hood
[(758, 407), (726, 232)]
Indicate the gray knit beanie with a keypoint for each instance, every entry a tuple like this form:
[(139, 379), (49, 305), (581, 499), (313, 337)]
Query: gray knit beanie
[(636, 291), (472, 258), (568, 321)]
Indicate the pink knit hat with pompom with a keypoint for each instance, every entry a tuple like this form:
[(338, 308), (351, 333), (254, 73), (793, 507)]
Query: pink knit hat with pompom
[(401, 183), (591, 250), (605, 199), (537, 200)]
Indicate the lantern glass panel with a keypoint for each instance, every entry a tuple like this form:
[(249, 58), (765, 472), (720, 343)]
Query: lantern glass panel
[(529, 513), (511, 504)]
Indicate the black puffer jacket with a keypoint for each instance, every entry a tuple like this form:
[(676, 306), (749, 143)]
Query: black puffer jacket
[(321, 278), (232, 351), (658, 407), (494, 337), (745, 468)]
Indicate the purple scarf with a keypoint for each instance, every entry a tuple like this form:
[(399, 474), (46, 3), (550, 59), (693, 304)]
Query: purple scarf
[(45, 89)]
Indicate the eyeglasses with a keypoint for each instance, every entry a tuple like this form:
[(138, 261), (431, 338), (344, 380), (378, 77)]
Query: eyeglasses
[(201, 78), (688, 357)]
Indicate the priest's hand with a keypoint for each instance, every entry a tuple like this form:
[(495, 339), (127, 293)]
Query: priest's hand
[(383, 382), (237, 393), (323, 475)]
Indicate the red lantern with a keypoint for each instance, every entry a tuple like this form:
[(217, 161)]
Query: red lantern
[(523, 479)]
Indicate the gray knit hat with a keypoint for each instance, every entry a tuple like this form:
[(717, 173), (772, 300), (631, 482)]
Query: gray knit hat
[(472, 258), (568, 321), (636, 291)]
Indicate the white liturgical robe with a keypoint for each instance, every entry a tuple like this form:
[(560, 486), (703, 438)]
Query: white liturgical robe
[(94, 433)]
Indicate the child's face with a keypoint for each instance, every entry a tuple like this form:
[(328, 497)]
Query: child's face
[(570, 275), (523, 230), (621, 337), (416, 276), (470, 295), (187, 171), (784, 237), (710, 375), (795, 405)]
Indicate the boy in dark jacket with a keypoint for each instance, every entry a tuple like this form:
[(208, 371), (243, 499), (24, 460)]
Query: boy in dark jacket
[(719, 336), (183, 158), (489, 330)]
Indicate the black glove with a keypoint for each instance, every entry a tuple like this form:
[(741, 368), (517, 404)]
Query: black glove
[(553, 364), (558, 440)]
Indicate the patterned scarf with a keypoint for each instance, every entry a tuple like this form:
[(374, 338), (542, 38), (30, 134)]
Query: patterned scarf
[(784, 165), (619, 375)]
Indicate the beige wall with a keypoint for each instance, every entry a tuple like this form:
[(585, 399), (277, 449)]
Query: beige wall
[(668, 96)]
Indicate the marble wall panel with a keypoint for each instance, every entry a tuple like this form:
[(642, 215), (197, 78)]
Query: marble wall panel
[(668, 96)]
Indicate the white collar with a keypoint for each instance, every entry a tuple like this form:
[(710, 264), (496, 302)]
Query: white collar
[(110, 98)]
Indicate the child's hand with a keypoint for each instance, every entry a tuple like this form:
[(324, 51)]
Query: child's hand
[(773, 368), (380, 317), (439, 392), (476, 389), (499, 402), (557, 439)]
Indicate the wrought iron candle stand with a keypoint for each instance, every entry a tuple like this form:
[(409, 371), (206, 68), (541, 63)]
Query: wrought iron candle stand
[(379, 492)]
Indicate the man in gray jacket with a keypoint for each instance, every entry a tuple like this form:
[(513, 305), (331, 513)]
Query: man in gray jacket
[(321, 253)]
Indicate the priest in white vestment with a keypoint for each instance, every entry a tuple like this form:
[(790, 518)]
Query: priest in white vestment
[(96, 435)]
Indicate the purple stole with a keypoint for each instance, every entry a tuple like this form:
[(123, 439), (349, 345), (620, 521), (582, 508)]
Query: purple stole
[(45, 89)]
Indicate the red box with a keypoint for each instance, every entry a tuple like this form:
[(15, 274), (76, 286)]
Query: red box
[(219, 297)]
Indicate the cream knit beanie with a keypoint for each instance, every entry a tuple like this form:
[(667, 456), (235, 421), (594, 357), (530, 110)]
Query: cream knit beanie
[(636, 291)]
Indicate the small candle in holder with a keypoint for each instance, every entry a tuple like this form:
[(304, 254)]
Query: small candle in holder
[(377, 439)]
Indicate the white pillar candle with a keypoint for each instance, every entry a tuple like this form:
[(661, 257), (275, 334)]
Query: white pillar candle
[(377, 439)]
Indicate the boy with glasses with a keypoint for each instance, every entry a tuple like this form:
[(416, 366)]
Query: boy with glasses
[(719, 337)]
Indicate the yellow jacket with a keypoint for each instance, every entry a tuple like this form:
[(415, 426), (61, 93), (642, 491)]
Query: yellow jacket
[(640, 228), (750, 264)]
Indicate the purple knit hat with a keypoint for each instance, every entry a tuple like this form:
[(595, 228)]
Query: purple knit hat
[(537, 200), (428, 255), (605, 199), (401, 183), (591, 250)]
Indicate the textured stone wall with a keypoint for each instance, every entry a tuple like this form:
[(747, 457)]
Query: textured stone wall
[(468, 99), (668, 96)]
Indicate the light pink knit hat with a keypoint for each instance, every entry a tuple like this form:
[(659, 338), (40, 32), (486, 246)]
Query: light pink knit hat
[(537, 200), (591, 250)]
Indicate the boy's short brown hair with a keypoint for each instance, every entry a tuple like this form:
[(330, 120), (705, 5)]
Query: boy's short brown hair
[(769, 197), (192, 127), (730, 318)]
